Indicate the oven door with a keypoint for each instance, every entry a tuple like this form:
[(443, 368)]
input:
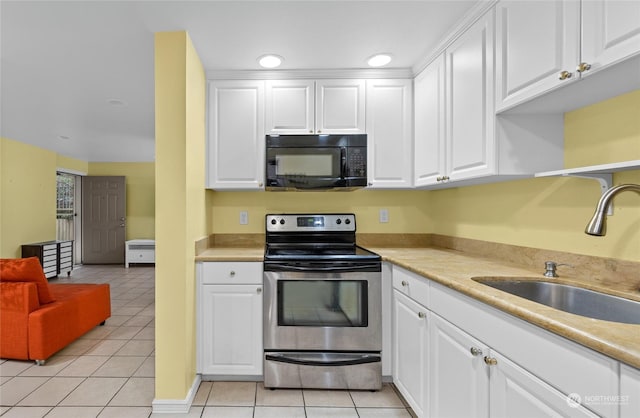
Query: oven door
[(323, 308)]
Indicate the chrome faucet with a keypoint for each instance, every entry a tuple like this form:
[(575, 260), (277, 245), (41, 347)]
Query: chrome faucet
[(598, 224)]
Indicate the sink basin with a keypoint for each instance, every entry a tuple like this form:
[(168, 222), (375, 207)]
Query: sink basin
[(572, 299)]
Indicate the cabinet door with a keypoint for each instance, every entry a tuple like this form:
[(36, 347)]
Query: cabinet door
[(235, 147), (629, 392), (410, 351), (610, 31), (459, 379), (429, 135), (389, 133), (290, 107), (340, 106), (230, 329), (536, 41), (517, 393), (470, 115)]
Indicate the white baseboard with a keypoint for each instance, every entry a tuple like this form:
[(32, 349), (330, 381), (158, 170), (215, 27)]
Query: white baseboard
[(177, 406)]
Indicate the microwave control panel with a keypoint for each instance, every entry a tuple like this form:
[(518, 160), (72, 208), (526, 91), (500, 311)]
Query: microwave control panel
[(356, 163)]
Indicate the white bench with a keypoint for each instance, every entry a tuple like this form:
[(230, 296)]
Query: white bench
[(140, 251)]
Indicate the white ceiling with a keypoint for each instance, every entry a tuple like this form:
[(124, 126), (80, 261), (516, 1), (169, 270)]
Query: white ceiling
[(62, 62)]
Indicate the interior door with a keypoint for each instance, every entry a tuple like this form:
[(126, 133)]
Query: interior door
[(103, 219)]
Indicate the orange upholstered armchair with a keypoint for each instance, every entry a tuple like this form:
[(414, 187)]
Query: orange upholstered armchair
[(37, 318)]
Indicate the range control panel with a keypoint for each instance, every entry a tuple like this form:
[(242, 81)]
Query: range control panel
[(343, 222)]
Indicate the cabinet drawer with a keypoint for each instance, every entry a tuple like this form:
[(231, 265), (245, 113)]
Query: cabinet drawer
[(65, 245), (231, 273), (47, 251), (411, 284), (141, 256)]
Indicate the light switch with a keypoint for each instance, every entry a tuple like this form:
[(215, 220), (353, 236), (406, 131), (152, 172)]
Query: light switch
[(244, 217)]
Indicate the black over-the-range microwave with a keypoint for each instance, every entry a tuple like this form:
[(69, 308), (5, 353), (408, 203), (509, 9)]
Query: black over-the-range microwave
[(316, 162)]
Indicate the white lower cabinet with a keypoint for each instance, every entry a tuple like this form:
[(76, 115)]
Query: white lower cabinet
[(629, 392), (411, 350), (458, 377), (514, 392), (457, 357), (230, 319)]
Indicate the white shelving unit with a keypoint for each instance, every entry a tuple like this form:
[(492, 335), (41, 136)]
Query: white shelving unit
[(602, 173)]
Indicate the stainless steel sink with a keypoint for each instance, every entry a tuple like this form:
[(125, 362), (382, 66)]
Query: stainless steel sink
[(572, 299)]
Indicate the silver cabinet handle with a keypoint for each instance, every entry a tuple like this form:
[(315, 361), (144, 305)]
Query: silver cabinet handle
[(475, 351), (422, 315), (491, 361), (232, 273)]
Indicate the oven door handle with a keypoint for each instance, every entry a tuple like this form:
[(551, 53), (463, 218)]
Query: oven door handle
[(332, 359), (336, 268)]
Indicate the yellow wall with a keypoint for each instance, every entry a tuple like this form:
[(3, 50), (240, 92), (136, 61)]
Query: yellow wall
[(408, 210), (72, 164), (551, 213), (180, 208), (140, 194), (27, 196)]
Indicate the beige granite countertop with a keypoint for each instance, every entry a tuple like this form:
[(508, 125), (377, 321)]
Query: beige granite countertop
[(231, 254), (455, 269)]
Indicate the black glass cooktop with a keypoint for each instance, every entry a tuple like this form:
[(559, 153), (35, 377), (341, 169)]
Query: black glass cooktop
[(317, 252)]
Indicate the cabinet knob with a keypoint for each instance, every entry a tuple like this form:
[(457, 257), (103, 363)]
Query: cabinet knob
[(491, 361), (565, 75), (439, 178), (404, 283), (370, 184), (445, 178), (310, 131), (260, 184), (422, 315), (319, 131), (582, 67), (232, 273), (475, 351), (259, 290)]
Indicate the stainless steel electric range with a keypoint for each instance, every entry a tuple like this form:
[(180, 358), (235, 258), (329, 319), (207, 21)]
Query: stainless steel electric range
[(322, 304)]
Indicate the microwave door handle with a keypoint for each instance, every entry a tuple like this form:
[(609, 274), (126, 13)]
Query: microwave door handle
[(343, 163)]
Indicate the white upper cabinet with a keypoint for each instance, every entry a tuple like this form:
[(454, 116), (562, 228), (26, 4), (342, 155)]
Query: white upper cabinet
[(389, 133), (290, 107), (235, 144), (470, 108), (537, 41), (315, 107), (340, 106), (429, 124), (542, 45), (610, 32)]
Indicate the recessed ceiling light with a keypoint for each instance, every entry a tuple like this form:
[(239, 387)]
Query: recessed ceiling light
[(64, 137), (379, 60), (270, 61)]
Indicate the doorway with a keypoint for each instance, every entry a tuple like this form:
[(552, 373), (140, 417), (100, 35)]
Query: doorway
[(69, 211), (103, 220)]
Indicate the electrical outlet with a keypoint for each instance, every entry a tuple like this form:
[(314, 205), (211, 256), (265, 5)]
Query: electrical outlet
[(384, 216), (244, 217)]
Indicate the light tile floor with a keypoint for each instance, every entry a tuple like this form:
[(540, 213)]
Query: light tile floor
[(109, 372)]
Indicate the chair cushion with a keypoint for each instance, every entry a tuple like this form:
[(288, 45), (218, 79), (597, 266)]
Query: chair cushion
[(26, 270)]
